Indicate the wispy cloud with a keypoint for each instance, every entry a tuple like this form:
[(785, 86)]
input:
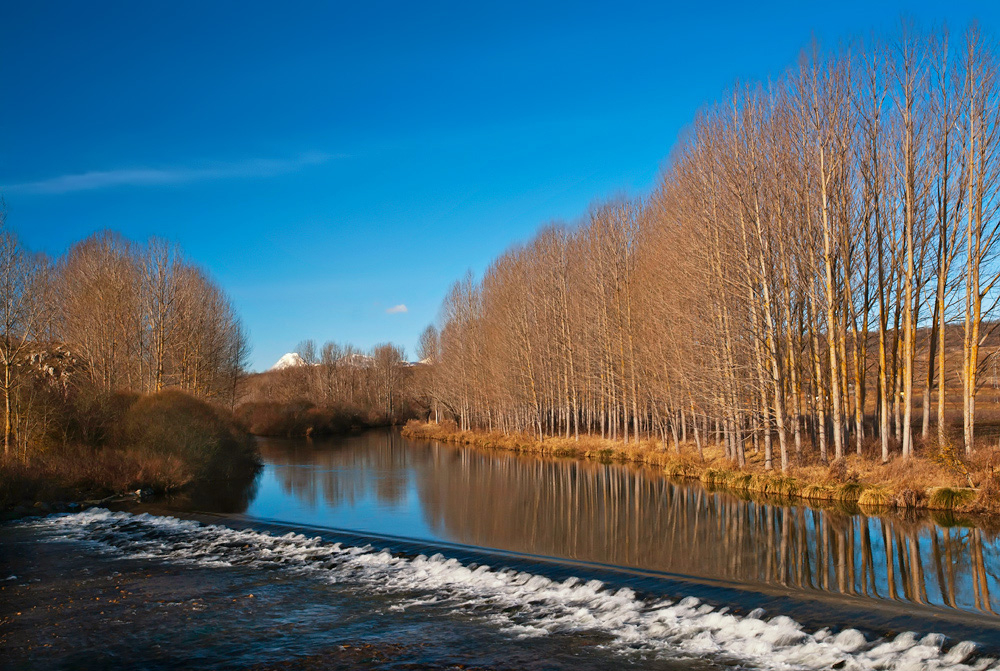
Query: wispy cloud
[(102, 179), (397, 309)]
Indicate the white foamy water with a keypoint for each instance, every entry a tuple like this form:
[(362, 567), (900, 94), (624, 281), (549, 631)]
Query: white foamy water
[(520, 603)]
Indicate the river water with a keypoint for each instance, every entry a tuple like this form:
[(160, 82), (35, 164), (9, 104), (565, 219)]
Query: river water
[(375, 551)]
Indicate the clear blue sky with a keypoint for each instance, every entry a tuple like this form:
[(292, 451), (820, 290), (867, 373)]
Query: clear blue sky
[(328, 161)]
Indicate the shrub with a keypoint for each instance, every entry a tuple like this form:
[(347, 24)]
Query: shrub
[(988, 498), (304, 418), (676, 469), (740, 481), (713, 476), (838, 470), (782, 486), (907, 498), (172, 423), (80, 472), (605, 456)]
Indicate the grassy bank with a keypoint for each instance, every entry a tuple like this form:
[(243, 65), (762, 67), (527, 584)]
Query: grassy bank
[(928, 481), (161, 443)]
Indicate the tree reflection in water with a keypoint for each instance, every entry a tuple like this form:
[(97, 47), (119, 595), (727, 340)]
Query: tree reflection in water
[(342, 471), (633, 516), (227, 495)]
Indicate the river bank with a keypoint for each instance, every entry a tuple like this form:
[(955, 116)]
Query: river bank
[(155, 444), (920, 483)]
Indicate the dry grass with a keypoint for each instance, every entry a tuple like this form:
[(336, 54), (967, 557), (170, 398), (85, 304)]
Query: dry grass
[(950, 498), (815, 491), (876, 497), (929, 480)]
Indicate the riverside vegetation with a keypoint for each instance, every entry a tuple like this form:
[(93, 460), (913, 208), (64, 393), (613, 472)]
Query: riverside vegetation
[(161, 442), (119, 367), (122, 368), (935, 484), (805, 303)]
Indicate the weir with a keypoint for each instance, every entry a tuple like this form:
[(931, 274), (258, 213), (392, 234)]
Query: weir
[(813, 611), (520, 604)]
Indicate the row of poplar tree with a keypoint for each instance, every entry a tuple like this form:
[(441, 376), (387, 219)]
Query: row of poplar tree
[(814, 272), (108, 316)]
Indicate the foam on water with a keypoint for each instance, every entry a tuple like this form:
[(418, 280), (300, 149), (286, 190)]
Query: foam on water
[(522, 604)]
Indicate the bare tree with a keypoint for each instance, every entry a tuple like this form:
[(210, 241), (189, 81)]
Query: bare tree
[(21, 315)]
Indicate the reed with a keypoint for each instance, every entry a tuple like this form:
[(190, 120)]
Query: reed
[(849, 492), (876, 497)]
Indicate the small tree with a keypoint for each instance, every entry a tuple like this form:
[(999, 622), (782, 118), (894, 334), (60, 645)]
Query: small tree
[(21, 314)]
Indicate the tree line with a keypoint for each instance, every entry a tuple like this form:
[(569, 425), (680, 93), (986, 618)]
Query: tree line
[(336, 387), (815, 272), (109, 316)]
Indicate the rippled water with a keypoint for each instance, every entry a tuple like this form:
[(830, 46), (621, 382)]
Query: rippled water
[(448, 555)]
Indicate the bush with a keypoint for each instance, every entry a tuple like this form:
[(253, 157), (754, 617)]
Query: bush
[(82, 472), (837, 470), (109, 444), (740, 482), (988, 497), (816, 492), (172, 423), (908, 498)]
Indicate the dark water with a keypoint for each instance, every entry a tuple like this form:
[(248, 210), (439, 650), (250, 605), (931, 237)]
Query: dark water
[(495, 560)]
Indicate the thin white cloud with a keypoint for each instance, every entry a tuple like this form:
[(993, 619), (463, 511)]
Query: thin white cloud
[(397, 309), (102, 179)]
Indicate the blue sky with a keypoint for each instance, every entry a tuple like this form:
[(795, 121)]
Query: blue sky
[(327, 162)]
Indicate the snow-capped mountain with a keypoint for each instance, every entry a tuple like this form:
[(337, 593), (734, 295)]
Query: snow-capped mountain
[(290, 360)]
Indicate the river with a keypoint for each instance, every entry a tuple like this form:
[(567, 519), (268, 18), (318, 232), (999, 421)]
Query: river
[(375, 551)]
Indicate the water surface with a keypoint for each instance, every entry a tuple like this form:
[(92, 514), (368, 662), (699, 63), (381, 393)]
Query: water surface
[(624, 515)]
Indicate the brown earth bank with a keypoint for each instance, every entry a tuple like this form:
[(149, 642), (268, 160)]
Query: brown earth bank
[(158, 443), (929, 480)]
